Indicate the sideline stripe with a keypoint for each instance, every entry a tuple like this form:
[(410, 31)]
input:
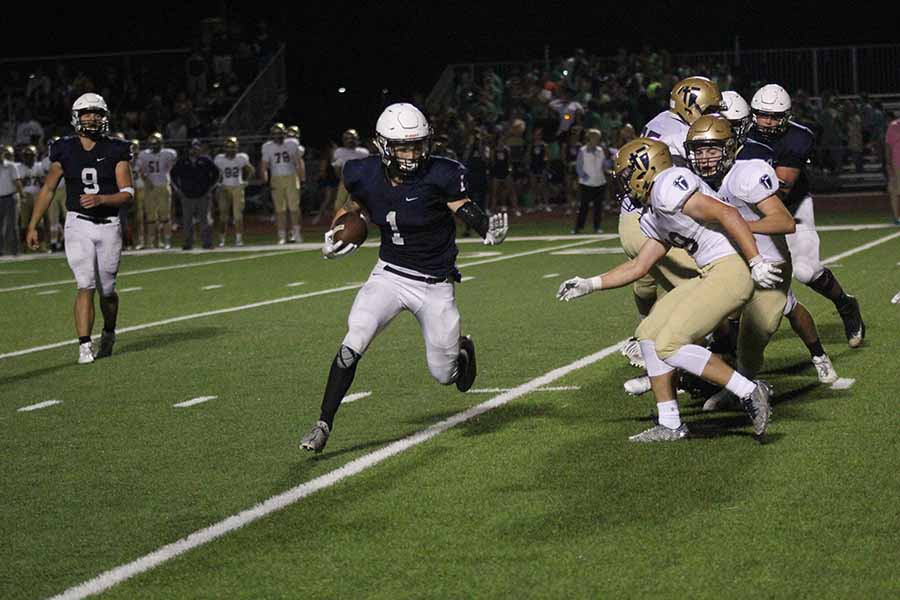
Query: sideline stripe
[(39, 405), (222, 311), (106, 580), (202, 263), (194, 401)]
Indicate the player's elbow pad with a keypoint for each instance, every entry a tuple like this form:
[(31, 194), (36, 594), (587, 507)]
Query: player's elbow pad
[(474, 217)]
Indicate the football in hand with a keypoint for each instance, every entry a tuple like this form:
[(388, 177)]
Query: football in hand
[(355, 230)]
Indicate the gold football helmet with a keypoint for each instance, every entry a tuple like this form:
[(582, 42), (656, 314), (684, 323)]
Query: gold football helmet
[(230, 144), (156, 141), (694, 97), (636, 166), (294, 131), (710, 147)]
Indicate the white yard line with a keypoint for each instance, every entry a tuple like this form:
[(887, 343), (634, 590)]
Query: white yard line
[(194, 401), (130, 289), (562, 388), (862, 248), (47, 293), (202, 263), (843, 383), (550, 276), (469, 278), (355, 397), (215, 286), (296, 284), (223, 311), (106, 580), (39, 405)]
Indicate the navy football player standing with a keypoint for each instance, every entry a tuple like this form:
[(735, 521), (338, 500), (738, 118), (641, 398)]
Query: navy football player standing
[(412, 197), (787, 146), (97, 171)]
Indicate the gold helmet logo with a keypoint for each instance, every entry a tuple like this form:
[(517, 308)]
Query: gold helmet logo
[(694, 97), (710, 147), (636, 166)]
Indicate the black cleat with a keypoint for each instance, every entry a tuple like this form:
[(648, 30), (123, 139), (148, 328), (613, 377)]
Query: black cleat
[(465, 364), (854, 328)]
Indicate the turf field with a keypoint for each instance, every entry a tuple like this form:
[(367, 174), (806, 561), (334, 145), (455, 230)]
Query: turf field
[(526, 487)]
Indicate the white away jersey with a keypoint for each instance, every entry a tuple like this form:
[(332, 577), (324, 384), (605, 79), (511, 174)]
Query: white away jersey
[(156, 166), (232, 169), (32, 177), (296, 142), (45, 163), (342, 155), (668, 128), (282, 158), (665, 221), (748, 183)]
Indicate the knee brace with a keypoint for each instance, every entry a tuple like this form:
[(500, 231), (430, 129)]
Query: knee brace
[(655, 366), (347, 357), (823, 283), (691, 358)]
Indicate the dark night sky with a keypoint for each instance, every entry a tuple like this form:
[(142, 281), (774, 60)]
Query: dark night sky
[(404, 46)]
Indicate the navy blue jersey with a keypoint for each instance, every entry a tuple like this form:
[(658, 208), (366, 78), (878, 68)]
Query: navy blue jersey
[(418, 230), (792, 149), (90, 172)]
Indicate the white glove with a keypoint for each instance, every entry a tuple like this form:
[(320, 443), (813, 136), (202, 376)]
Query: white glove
[(578, 287), (498, 226), (764, 273), (332, 249)]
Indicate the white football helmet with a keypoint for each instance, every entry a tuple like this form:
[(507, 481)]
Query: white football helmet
[(403, 127), (737, 111), (90, 103), (771, 100)]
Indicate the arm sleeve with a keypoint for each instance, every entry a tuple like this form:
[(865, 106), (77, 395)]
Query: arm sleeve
[(474, 217)]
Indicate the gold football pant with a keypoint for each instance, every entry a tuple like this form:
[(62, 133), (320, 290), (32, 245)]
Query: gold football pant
[(285, 193), (231, 203), (760, 319), (692, 309)]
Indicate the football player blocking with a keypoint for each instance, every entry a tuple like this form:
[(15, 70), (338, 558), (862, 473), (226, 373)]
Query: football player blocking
[(412, 197), (97, 170), (679, 205)]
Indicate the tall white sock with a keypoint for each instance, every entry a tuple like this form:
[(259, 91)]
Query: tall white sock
[(740, 386), (668, 414)]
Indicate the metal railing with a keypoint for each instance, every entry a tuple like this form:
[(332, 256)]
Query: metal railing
[(260, 101)]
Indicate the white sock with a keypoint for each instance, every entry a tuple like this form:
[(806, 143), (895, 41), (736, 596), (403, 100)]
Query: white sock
[(238, 237), (668, 414), (296, 231), (281, 234), (740, 386)]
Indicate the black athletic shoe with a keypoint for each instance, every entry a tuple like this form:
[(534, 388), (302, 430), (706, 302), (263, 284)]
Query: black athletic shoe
[(465, 364), (854, 327)]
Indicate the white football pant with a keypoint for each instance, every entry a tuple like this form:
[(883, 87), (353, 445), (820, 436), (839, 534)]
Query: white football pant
[(93, 251), (382, 298)]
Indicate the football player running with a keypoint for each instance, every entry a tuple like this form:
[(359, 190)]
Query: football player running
[(97, 169), (412, 197), (690, 99), (787, 146), (751, 187), (679, 207)]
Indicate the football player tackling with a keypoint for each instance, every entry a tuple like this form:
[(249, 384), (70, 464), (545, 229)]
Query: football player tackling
[(97, 170), (412, 197), (679, 207)]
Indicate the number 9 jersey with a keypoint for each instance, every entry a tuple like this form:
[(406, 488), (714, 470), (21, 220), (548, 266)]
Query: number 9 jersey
[(663, 219), (90, 172)]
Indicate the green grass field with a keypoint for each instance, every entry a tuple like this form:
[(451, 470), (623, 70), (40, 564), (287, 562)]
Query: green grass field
[(542, 497)]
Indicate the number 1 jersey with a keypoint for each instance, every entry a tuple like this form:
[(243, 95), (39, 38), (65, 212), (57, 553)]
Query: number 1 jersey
[(418, 230)]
